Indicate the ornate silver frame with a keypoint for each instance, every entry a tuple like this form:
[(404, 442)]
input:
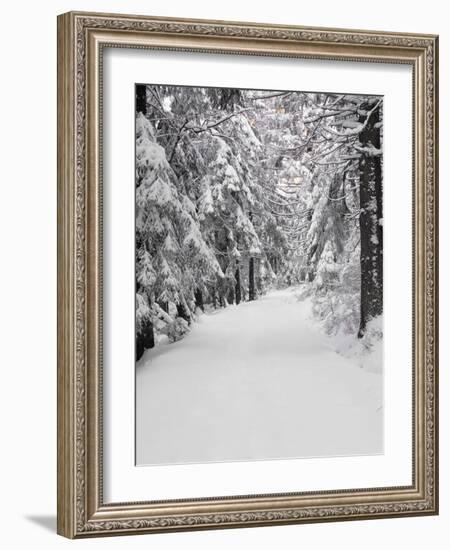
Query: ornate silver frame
[(81, 37)]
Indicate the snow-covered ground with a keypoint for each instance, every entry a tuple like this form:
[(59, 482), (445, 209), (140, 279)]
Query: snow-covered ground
[(255, 381)]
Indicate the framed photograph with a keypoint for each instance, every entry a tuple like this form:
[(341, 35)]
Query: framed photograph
[(247, 274)]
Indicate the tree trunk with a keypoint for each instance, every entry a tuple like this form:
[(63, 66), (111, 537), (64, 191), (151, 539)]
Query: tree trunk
[(141, 98), (183, 313), (145, 340), (258, 279), (370, 221), (231, 295), (199, 299), (237, 290), (275, 265), (251, 279)]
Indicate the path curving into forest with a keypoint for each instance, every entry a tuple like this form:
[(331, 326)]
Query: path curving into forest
[(254, 381)]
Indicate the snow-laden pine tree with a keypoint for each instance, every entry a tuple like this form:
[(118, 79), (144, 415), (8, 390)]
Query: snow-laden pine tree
[(172, 258)]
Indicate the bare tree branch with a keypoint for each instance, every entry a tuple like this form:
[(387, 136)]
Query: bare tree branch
[(280, 94)]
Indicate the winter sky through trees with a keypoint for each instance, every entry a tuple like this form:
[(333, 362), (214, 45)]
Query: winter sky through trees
[(259, 260)]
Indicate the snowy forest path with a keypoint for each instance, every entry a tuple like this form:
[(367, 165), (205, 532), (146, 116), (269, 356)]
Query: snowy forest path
[(206, 397)]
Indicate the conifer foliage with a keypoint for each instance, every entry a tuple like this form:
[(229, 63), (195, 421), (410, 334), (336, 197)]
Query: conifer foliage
[(238, 191)]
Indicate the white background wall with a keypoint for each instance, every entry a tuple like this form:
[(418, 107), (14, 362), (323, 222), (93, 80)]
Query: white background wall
[(28, 272)]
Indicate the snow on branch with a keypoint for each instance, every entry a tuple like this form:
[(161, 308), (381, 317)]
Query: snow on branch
[(269, 96), (329, 114), (368, 150), (361, 126), (200, 129)]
